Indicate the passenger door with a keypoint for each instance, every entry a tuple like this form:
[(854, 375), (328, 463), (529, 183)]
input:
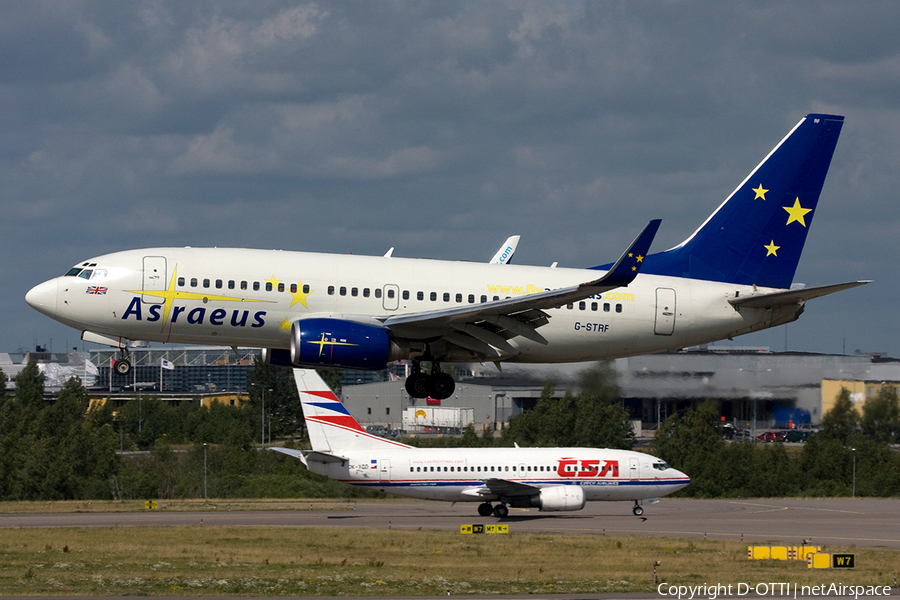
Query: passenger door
[(154, 278)]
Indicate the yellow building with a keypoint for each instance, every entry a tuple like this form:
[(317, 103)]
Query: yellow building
[(118, 400), (860, 391)]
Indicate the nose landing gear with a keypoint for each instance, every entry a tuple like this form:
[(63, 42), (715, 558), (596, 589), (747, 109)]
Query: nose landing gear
[(637, 510)]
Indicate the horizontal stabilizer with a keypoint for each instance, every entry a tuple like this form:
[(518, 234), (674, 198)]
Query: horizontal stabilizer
[(792, 296), (289, 452), (324, 457)]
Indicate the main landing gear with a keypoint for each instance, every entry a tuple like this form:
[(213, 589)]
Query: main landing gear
[(122, 365), (637, 510), (500, 511), (436, 384)]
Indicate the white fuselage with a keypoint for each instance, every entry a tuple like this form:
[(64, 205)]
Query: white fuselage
[(240, 297), (453, 474)]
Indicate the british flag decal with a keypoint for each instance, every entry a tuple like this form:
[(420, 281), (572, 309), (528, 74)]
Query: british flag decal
[(96, 290)]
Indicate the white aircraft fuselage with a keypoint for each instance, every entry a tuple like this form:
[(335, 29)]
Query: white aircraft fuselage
[(451, 474), (207, 296), (551, 479)]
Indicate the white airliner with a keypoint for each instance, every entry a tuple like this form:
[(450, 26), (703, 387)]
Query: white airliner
[(732, 276), (551, 479)]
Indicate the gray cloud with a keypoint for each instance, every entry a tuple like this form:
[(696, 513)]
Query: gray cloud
[(439, 128)]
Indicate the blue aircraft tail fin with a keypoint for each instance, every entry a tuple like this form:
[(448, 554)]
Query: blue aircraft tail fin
[(756, 236)]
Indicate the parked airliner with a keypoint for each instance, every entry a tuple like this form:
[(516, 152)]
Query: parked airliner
[(732, 276), (551, 479)]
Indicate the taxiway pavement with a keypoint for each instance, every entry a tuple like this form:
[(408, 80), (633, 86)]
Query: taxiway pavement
[(844, 522)]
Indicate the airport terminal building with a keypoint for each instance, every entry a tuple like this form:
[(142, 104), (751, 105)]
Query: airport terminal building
[(754, 387)]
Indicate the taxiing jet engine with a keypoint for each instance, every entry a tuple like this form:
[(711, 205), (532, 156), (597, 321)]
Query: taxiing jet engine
[(341, 343), (560, 497)]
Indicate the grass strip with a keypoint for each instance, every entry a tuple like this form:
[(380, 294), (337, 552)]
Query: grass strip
[(203, 560)]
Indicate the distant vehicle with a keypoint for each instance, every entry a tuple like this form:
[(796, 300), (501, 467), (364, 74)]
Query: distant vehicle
[(730, 432), (379, 430), (796, 435), (771, 436)]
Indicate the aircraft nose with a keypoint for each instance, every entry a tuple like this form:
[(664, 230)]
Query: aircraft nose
[(685, 479), (42, 297)]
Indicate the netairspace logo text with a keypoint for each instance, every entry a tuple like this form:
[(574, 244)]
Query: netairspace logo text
[(791, 590)]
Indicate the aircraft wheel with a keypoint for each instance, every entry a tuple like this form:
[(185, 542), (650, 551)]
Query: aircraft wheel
[(485, 509), (441, 386), (122, 367), (637, 510), (417, 385), (501, 511)]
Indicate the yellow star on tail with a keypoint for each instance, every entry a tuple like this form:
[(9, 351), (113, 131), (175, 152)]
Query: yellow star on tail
[(760, 192), (771, 249), (796, 213)]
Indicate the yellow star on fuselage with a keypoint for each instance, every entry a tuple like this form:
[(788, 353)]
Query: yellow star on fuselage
[(760, 192), (171, 294), (286, 324), (771, 249), (274, 282), (796, 213), (300, 295)]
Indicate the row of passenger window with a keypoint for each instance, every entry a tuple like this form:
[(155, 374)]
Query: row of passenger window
[(492, 469), (243, 285), (433, 296), (366, 292)]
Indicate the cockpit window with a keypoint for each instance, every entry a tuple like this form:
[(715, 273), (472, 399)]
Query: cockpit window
[(660, 466), (73, 272), (98, 274), (86, 274)]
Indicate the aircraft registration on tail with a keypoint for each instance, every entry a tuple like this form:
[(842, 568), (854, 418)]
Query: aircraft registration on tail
[(732, 276), (551, 479)]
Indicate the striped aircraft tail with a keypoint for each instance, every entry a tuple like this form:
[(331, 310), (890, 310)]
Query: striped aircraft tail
[(332, 429)]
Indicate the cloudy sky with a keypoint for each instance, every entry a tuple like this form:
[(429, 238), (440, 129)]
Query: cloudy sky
[(440, 128)]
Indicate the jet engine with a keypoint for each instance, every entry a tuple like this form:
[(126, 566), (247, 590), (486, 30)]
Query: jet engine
[(277, 357), (559, 497), (341, 343)]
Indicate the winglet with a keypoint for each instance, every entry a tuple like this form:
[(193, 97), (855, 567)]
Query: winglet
[(505, 253), (629, 264)]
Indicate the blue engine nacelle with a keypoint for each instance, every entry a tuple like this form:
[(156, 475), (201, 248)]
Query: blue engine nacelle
[(339, 343)]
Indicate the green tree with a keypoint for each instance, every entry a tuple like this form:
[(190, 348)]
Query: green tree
[(282, 403), (3, 396), (550, 423), (693, 443), (881, 417), (842, 420)]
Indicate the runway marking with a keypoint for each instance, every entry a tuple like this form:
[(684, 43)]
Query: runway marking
[(773, 508)]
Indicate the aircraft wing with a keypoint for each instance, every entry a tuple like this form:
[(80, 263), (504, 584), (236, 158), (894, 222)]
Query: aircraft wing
[(795, 296), (503, 488), (484, 328)]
